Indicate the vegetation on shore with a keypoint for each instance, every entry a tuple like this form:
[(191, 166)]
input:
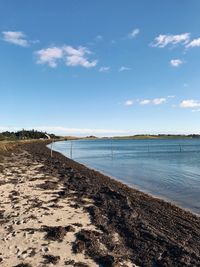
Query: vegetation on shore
[(25, 135), (159, 136)]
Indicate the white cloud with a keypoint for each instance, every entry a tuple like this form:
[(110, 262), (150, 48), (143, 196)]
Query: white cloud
[(194, 43), (49, 56), (128, 103), (176, 62), (159, 101), (15, 37), (78, 57), (171, 96), (134, 33), (124, 68), (190, 103), (104, 69), (70, 55), (155, 101), (164, 40), (145, 102)]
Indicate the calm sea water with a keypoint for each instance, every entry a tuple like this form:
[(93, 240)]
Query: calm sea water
[(169, 169)]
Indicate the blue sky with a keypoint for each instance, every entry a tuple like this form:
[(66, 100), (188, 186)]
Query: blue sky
[(100, 67)]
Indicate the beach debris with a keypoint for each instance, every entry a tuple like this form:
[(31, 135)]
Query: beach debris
[(78, 224), (78, 246), (80, 264), (106, 261), (69, 262), (69, 228), (23, 265), (51, 259), (56, 233), (48, 185)]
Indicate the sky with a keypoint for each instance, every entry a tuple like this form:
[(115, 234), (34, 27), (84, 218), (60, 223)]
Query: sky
[(100, 67)]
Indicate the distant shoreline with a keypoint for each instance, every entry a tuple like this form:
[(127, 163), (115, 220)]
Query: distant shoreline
[(162, 136), (37, 135)]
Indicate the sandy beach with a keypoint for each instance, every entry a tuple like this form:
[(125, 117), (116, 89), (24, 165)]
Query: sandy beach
[(55, 211)]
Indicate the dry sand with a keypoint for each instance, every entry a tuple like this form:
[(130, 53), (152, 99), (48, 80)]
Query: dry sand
[(36, 226), (27, 209)]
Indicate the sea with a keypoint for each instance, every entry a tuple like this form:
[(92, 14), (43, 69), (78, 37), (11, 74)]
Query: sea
[(165, 168)]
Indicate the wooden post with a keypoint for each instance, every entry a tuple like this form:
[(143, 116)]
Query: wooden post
[(71, 150), (111, 147), (52, 148)]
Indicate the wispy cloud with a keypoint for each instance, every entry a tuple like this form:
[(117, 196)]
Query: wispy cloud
[(190, 103), (104, 69), (194, 43), (155, 101), (15, 37), (196, 110), (68, 131), (81, 130), (145, 102), (124, 68), (128, 103), (69, 55), (134, 33), (164, 40), (176, 62), (159, 101), (99, 38)]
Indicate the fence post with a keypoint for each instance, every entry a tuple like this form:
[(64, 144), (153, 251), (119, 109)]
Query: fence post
[(111, 147), (52, 148), (180, 148), (71, 150)]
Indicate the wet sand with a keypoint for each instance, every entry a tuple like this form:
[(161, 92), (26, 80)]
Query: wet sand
[(55, 211)]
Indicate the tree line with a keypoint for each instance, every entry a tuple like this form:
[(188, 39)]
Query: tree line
[(25, 135)]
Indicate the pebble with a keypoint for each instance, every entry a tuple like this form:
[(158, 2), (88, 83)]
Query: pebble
[(18, 252), (45, 249), (14, 234)]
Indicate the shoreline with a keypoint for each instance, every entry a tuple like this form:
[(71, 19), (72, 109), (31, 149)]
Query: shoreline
[(138, 189), (159, 197), (130, 186), (113, 178), (131, 226)]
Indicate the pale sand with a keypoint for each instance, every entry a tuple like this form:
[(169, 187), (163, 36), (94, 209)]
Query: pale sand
[(17, 244), (26, 209)]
